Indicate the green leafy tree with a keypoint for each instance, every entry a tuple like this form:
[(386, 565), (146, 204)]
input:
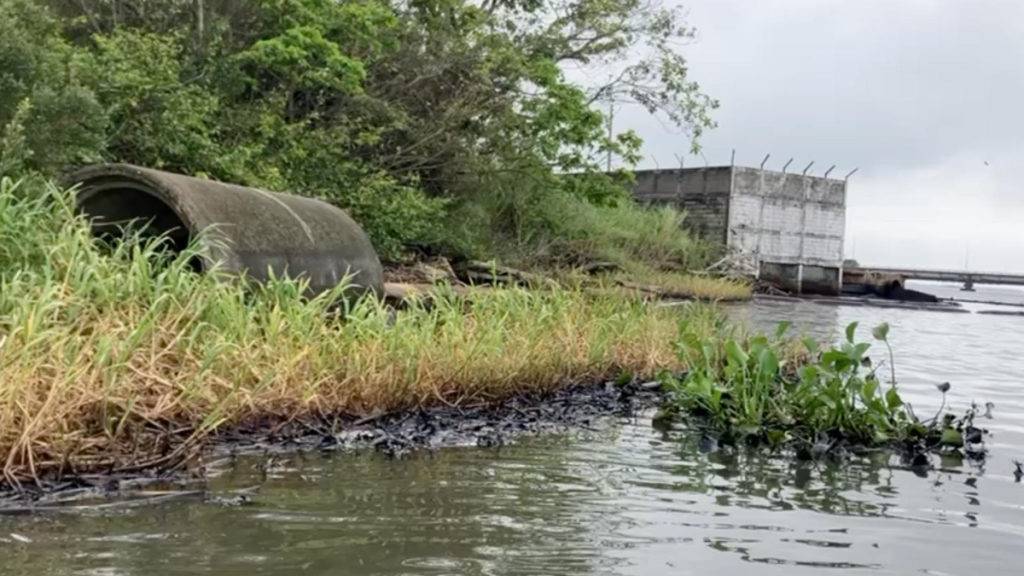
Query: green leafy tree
[(404, 112), (48, 118)]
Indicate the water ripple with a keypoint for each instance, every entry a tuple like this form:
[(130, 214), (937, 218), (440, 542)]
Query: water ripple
[(623, 499)]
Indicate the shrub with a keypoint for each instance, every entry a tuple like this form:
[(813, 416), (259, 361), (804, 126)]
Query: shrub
[(530, 222), (390, 109)]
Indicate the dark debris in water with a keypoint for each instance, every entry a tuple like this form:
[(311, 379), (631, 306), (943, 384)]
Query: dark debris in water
[(577, 407), (397, 434), (119, 494)]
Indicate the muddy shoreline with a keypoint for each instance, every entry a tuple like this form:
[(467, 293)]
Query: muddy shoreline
[(571, 408), (396, 434)]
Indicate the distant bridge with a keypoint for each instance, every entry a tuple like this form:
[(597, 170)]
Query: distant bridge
[(968, 279)]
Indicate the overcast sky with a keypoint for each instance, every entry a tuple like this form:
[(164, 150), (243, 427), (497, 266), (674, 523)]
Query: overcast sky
[(925, 97)]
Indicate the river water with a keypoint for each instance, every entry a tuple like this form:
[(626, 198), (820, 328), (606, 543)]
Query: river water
[(620, 498)]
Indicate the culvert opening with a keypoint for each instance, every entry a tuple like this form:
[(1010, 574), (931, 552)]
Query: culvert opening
[(256, 232), (119, 211)]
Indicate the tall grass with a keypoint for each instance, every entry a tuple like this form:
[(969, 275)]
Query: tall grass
[(551, 230), (122, 357), (530, 224), (630, 233), (683, 285)]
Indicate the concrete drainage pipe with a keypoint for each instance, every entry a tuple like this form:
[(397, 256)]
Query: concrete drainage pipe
[(241, 230)]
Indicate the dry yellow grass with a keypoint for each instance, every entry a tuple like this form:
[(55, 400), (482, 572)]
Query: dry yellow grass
[(87, 386), (685, 285), (124, 359), (644, 280)]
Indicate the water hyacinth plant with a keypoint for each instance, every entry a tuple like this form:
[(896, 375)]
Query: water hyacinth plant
[(765, 389)]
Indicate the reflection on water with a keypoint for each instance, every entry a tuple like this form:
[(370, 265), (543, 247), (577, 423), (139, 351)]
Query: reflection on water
[(620, 499)]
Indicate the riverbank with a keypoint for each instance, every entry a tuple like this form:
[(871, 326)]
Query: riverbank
[(617, 490), (396, 434), (639, 280), (708, 290), (123, 361), (138, 384)]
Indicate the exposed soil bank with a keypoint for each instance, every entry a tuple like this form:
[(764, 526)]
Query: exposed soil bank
[(395, 434)]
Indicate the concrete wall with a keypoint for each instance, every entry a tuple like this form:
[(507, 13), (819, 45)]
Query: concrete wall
[(763, 216), (787, 218), (702, 192), (783, 276)]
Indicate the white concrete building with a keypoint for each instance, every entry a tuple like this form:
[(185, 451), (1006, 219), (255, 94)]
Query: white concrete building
[(787, 227)]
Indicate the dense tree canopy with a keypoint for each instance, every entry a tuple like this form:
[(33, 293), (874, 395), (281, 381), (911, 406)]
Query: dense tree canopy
[(406, 112)]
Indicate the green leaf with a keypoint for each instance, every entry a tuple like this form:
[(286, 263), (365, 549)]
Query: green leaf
[(951, 437), (811, 345), (892, 398), (838, 359), (768, 363), (859, 350), (782, 328), (735, 353), (776, 437), (869, 389), (624, 377), (881, 332), (850, 329), (809, 373)]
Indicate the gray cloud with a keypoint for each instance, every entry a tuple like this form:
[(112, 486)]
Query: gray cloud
[(924, 96)]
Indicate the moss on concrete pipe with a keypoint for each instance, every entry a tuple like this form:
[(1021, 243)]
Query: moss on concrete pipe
[(240, 230)]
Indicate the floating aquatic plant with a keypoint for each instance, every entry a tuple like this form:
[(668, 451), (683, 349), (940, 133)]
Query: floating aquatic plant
[(765, 390)]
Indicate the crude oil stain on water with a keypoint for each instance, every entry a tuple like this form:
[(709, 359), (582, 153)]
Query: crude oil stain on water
[(621, 498)]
